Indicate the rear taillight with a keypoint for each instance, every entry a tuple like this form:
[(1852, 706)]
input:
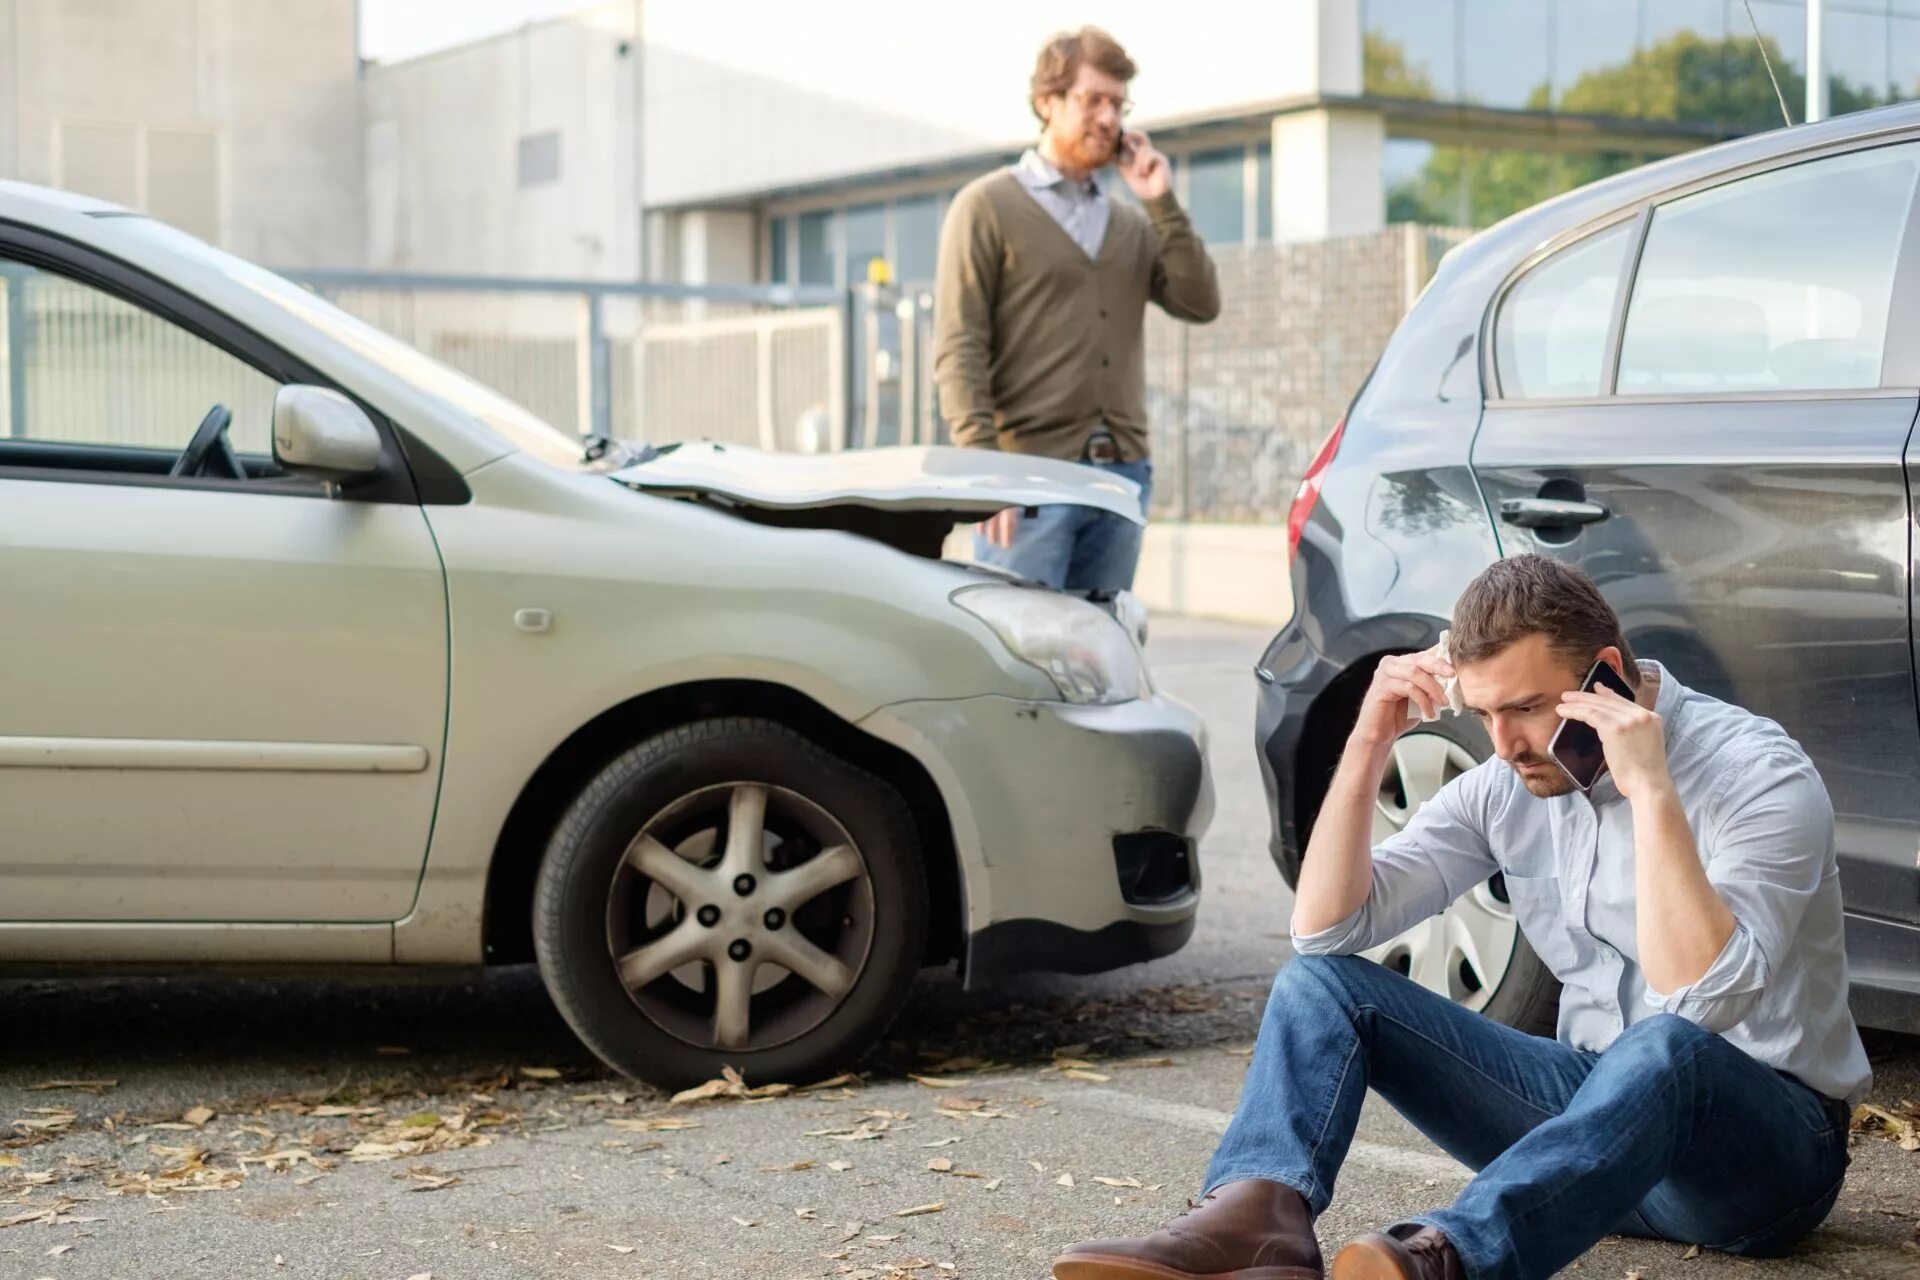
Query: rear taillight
[(1309, 491)]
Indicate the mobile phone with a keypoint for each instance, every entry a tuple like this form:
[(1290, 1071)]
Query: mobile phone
[(1576, 745), (1123, 148)]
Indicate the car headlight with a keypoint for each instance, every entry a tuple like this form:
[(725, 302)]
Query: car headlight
[(1089, 656)]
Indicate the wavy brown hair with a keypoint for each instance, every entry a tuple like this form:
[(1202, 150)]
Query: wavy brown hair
[(1062, 57), (1537, 595)]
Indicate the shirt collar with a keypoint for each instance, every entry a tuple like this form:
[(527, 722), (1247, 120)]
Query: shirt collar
[(1037, 173)]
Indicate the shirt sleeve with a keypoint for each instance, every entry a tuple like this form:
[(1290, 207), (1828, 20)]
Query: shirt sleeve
[(1184, 284), (1442, 853), (966, 281), (1767, 856)]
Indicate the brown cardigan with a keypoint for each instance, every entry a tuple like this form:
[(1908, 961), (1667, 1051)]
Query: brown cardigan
[(1035, 344)]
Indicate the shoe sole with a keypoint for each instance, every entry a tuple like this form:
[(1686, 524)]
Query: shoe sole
[(1094, 1266), (1368, 1260)]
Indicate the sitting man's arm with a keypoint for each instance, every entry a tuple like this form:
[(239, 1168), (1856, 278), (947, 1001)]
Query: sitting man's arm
[(1712, 931), (1353, 895)]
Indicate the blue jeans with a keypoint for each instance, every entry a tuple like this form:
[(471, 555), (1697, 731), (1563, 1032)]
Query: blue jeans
[(1672, 1133), (1076, 548)]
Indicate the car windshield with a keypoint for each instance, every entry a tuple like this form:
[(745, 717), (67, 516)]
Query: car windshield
[(521, 427)]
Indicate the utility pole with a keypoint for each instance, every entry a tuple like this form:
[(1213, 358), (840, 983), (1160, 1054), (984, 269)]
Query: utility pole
[(1816, 60)]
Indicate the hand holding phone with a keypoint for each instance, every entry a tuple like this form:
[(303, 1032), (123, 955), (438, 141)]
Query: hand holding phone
[(1576, 745)]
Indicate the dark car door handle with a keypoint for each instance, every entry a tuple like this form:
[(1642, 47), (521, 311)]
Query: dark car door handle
[(1549, 513)]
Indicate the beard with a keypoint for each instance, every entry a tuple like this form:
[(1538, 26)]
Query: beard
[(1092, 151), (1547, 784)]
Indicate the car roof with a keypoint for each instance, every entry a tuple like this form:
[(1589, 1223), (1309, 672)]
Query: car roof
[(1521, 233), (25, 200)]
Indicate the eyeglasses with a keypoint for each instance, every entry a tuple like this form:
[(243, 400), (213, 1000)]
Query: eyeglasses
[(1091, 100)]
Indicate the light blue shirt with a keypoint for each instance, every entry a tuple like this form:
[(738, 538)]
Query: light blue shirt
[(1081, 208), (1764, 826)]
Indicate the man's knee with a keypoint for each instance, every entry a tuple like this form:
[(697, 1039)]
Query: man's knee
[(1316, 977), (1662, 1042)]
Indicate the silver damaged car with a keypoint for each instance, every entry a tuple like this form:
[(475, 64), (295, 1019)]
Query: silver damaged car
[(318, 653)]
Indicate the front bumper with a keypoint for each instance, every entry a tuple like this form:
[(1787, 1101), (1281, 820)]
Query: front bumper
[(1077, 828)]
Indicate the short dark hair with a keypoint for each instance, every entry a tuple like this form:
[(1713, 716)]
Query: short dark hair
[(1061, 57), (1537, 595)]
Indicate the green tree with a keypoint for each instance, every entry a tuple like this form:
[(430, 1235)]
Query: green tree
[(1684, 78)]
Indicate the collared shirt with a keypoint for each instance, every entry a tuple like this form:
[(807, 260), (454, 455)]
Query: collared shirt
[(1764, 827), (1081, 208)]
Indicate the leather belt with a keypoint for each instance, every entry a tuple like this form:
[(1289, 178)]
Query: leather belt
[(1101, 447)]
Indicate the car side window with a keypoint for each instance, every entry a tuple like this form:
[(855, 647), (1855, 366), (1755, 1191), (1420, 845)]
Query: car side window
[(1778, 282), (1550, 338), (82, 367)]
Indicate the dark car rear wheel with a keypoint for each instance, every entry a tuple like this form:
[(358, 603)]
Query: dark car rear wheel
[(1473, 952), (729, 894)]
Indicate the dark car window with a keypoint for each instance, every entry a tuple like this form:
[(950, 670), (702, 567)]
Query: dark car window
[(1778, 282), (1550, 339)]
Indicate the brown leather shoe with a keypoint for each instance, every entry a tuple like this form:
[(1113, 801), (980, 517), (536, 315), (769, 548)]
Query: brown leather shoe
[(1248, 1230), (1406, 1251)]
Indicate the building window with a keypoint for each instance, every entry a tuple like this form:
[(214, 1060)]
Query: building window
[(815, 251), (539, 159), (916, 238), (866, 239), (777, 250), (1216, 195)]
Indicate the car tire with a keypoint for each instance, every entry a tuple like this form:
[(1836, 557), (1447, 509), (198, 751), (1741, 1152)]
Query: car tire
[(656, 931), (1509, 982)]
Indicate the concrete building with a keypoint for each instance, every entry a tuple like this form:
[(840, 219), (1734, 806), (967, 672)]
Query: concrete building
[(237, 120)]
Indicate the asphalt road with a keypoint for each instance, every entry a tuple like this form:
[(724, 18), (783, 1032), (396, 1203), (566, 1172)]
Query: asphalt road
[(454, 1129)]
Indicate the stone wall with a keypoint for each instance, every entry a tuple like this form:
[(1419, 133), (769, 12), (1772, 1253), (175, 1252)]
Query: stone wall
[(1240, 405)]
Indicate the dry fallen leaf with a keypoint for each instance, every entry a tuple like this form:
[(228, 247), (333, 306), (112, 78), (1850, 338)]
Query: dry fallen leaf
[(746, 1222), (540, 1073), (1091, 1077), (839, 1166), (1145, 1062), (911, 1264), (852, 1229), (995, 1184), (730, 1085), (1064, 1180), (1037, 1166), (845, 1078), (1693, 1251), (940, 1142), (57, 1250), (198, 1116), (1071, 1050), (91, 1086), (1119, 1182), (621, 1248), (807, 1215), (653, 1124), (936, 1207), (423, 1275), (940, 1164), (798, 1166)]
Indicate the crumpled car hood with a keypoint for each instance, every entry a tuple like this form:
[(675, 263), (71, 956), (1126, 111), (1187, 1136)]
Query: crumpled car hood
[(937, 482)]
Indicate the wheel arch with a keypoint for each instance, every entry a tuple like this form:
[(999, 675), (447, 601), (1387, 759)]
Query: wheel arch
[(507, 914)]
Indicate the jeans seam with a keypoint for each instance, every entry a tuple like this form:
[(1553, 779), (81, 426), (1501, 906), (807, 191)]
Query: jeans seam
[(1734, 1244), (1469, 1065), (1607, 1152)]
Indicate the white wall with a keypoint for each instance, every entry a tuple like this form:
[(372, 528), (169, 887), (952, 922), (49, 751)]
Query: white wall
[(237, 118), (443, 133)]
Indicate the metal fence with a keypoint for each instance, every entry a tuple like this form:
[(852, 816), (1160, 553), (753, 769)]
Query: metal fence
[(749, 364)]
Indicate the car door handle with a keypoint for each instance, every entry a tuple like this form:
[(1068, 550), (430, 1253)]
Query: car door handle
[(1550, 513)]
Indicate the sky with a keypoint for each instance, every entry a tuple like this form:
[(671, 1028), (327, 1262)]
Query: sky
[(960, 67)]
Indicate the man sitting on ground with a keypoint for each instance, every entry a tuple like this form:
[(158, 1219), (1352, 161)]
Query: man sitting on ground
[(1706, 1063)]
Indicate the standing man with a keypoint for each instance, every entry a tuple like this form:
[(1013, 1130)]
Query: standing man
[(1040, 301), (1688, 902)]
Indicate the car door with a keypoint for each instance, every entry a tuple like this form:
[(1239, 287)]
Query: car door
[(1700, 406), (220, 699)]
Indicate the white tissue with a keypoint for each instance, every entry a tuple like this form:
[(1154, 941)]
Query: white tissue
[(1450, 685)]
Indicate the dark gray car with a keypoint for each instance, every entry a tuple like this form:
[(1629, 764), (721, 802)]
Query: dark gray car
[(1698, 381)]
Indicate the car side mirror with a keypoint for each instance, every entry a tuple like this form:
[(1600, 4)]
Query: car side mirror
[(319, 432)]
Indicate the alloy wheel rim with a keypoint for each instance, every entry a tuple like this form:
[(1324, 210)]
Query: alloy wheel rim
[(740, 916), (1463, 953)]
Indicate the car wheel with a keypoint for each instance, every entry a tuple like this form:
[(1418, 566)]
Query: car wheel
[(730, 894), (1473, 952)]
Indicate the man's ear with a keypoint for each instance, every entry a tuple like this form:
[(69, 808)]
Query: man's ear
[(1611, 656)]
